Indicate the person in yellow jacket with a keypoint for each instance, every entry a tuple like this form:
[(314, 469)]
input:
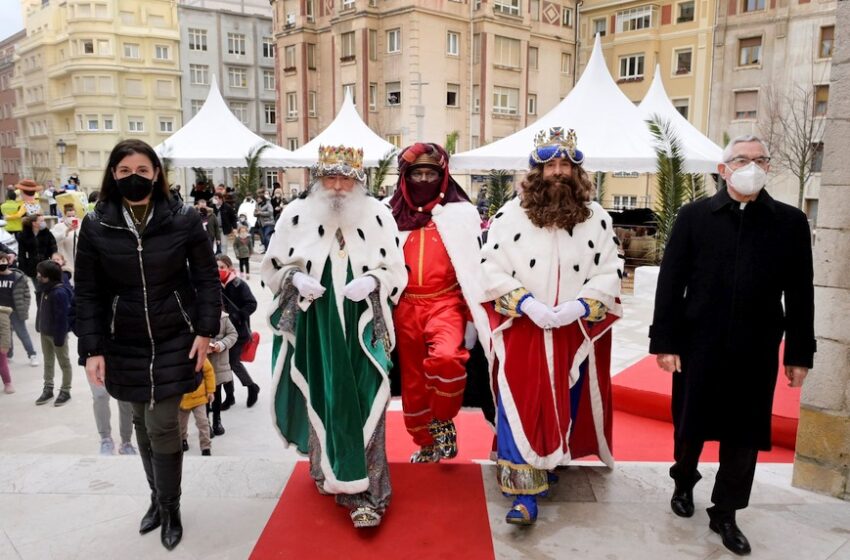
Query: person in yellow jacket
[(13, 210), (196, 403)]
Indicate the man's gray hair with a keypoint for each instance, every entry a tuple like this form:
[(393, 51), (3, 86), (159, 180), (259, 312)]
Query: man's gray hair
[(727, 151)]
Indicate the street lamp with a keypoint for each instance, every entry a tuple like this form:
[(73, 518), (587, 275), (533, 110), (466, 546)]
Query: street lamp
[(61, 146)]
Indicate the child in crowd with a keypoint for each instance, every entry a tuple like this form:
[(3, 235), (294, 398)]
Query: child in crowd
[(67, 275), (195, 403), (243, 248), (53, 321), (6, 343), (220, 358)]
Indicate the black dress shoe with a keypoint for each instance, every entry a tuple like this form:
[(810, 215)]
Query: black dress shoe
[(217, 428), (733, 538), (682, 502), (253, 391)]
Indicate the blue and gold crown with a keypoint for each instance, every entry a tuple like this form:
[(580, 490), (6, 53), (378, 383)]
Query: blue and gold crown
[(552, 143), (340, 160)]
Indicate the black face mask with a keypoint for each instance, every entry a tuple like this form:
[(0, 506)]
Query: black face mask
[(4, 267), (135, 187)]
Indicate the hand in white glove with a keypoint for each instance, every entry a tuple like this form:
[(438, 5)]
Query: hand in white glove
[(539, 313), (360, 288), (470, 337), (307, 286), (569, 312)]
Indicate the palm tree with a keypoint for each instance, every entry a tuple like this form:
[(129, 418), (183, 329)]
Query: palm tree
[(600, 187), (451, 141), (378, 174), (498, 189), (670, 177), (251, 178)]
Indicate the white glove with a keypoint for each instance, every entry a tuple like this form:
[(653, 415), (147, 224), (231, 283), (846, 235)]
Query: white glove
[(569, 312), (307, 286), (470, 337), (360, 288), (539, 313)]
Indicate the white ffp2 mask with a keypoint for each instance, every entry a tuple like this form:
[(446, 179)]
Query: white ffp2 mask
[(748, 180)]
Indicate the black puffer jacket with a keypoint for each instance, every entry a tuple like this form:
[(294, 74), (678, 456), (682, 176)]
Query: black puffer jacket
[(240, 303), (141, 302)]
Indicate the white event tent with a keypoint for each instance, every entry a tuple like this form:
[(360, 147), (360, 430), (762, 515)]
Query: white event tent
[(216, 138), (611, 132), (347, 129), (701, 154)]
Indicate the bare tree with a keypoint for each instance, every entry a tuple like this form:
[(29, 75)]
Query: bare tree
[(793, 128)]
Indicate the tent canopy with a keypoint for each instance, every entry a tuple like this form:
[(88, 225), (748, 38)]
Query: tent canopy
[(611, 132), (347, 129), (216, 138), (701, 154)]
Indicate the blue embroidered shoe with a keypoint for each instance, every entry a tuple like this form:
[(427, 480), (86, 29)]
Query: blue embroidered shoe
[(523, 512)]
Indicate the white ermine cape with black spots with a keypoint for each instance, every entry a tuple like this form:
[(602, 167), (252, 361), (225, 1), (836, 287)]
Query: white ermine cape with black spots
[(553, 264)]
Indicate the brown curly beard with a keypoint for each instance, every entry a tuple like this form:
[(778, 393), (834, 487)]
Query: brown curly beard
[(558, 202)]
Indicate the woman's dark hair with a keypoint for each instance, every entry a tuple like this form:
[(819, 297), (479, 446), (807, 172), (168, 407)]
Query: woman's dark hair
[(28, 221), (10, 195), (50, 270), (109, 188), (228, 262)]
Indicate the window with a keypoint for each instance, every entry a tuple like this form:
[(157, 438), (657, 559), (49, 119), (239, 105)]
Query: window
[(476, 48), (683, 61), (476, 99), (510, 7), (347, 4), (270, 113), (199, 74), (291, 105), (131, 50), (235, 43), (827, 39), (533, 55), (453, 95), (817, 157), (268, 47), (289, 58), (85, 84), (268, 80), (681, 105), (507, 52), (196, 106), (505, 100), (393, 93), (87, 46), (136, 124), (373, 96), (749, 51), (631, 67), (92, 122), (311, 56), (292, 144), (127, 18), (312, 103), (161, 52), (634, 19), (156, 20), (101, 11), (753, 5), (532, 104), (686, 12), (452, 43), (240, 111), (349, 89), (347, 46), (746, 104), (164, 88), (197, 39), (394, 139), (237, 77), (394, 41), (566, 63), (600, 27), (310, 10), (134, 87), (104, 48), (821, 100), (166, 124), (108, 122), (625, 201), (567, 17)]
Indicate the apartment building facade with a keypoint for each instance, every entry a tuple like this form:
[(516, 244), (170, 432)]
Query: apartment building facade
[(10, 154), (90, 73)]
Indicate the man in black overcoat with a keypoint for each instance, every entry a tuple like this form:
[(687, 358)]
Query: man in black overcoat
[(736, 276)]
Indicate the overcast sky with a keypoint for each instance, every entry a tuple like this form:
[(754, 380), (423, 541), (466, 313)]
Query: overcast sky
[(11, 20)]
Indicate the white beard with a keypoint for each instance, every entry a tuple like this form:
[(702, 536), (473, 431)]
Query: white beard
[(344, 208)]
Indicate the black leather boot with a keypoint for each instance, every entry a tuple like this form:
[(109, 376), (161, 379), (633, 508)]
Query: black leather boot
[(151, 519), (229, 399), (168, 468), (682, 502)]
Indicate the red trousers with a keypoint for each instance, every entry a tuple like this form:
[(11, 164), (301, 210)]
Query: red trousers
[(432, 360)]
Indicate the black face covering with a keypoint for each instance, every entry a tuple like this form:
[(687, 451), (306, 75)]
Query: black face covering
[(135, 187), (4, 267)]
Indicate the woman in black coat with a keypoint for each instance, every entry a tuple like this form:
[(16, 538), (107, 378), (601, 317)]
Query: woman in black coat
[(148, 301), (35, 244)]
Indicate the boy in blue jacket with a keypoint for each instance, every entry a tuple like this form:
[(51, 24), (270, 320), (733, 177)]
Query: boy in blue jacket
[(53, 321)]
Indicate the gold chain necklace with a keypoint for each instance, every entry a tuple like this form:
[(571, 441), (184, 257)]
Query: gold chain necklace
[(144, 218)]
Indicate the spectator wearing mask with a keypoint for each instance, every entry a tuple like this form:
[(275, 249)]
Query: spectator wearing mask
[(278, 202), (264, 213), (35, 243), (53, 322), (210, 223), (66, 233)]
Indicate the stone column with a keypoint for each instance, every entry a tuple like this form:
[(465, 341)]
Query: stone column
[(822, 462)]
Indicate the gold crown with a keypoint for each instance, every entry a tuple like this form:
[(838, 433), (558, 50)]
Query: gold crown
[(331, 156), (555, 137)]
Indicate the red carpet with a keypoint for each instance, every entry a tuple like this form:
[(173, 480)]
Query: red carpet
[(475, 438), (437, 512), (644, 390)]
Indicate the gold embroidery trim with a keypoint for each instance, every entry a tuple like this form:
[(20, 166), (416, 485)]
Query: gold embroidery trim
[(443, 394), (432, 295)]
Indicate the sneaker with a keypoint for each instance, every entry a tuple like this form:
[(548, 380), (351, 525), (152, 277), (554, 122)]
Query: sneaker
[(34, 361), (107, 447), (62, 398), (127, 449), (45, 397), (185, 445), (206, 452), (8, 388)]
